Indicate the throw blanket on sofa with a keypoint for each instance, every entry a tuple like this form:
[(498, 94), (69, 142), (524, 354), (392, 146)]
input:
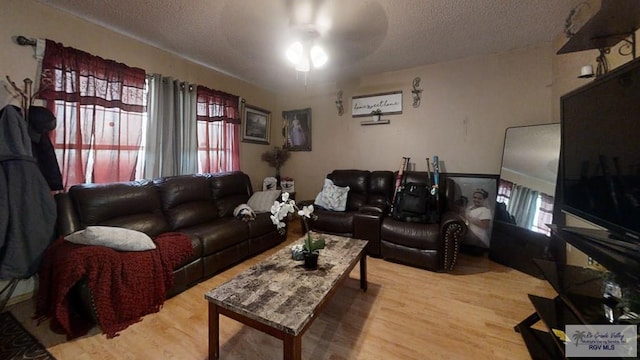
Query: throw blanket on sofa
[(125, 285)]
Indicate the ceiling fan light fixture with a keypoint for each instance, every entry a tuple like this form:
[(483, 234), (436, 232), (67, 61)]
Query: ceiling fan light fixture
[(294, 52), (318, 56), (303, 65), (303, 57)]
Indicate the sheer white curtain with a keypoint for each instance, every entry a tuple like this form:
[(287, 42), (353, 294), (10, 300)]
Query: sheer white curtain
[(523, 205), (171, 144)]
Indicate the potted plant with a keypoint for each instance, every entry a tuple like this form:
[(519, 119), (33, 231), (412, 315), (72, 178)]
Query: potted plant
[(310, 247), (375, 114)]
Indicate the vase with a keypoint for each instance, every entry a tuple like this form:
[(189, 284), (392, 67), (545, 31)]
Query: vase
[(277, 177), (311, 260)]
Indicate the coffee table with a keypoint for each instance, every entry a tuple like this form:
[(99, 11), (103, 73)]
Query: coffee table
[(279, 297)]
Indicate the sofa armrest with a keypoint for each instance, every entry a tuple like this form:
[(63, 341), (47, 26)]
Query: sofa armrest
[(67, 221), (366, 225), (305, 203), (452, 228), (371, 210)]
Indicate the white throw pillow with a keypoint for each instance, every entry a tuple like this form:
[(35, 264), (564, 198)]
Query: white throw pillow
[(262, 201), (113, 237), (332, 197)]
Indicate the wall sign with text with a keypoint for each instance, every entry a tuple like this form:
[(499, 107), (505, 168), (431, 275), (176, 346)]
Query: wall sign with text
[(388, 103)]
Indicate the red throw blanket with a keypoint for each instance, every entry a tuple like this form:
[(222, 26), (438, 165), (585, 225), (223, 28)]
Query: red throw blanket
[(125, 285)]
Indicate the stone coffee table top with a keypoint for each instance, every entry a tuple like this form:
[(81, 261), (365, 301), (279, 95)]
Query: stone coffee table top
[(280, 293)]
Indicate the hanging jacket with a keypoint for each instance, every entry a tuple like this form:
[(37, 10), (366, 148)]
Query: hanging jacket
[(27, 208), (41, 122)]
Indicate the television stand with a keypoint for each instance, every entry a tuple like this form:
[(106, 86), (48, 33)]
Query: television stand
[(621, 259), (580, 300), (606, 238)]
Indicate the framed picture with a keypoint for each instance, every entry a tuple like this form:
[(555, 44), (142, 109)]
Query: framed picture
[(476, 201), (297, 129), (388, 103), (256, 125)]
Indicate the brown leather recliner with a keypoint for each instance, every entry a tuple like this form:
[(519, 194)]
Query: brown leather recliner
[(368, 201), (433, 247)]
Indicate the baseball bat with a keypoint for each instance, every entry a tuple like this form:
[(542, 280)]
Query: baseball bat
[(403, 165)]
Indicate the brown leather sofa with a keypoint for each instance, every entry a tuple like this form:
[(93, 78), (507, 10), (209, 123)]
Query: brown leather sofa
[(429, 246), (198, 205)]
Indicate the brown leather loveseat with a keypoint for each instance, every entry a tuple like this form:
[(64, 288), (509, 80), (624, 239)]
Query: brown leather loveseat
[(429, 246), (199, 205), (369, 198)]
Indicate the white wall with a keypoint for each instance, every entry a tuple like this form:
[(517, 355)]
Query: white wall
[(466, 107)]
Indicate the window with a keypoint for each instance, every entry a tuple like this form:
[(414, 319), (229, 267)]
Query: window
[(530, 209), (100, 108), (218, 131)]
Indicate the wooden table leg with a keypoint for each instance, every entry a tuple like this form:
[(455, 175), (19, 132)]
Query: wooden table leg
[(214, 331), (363, 272), (292, 347)]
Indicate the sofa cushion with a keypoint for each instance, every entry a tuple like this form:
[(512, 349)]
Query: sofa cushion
[(332, 197), (220, 234), (133, 205), (262, 201), (381, 187), (357, 181), (411, 235), (230, 190), (112, 237), (335, 222), (186, 200), (261, 225)]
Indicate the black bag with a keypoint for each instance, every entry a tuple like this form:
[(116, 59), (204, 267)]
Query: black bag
[(414, 203)]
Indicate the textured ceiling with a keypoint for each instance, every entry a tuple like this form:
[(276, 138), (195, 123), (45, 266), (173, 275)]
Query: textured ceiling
[(246, 38)]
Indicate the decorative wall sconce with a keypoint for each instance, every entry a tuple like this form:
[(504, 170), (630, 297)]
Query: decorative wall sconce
[(586, 72), (416, 92), (339, 103)]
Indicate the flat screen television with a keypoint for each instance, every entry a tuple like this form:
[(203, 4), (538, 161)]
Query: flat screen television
[(600, 154)]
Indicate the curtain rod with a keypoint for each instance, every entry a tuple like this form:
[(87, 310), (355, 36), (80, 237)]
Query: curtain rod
[(25, 41)]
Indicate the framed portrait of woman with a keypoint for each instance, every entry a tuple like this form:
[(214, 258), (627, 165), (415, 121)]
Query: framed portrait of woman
[(256, 125), (296, 129), (476, 201)]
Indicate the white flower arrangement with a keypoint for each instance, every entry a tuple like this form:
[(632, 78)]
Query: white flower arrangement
[(280, 210)]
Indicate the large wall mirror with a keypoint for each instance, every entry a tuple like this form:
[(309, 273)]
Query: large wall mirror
[(525, 200)]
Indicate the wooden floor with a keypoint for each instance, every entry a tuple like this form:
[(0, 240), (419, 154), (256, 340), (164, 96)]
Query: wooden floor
[(406, 313)]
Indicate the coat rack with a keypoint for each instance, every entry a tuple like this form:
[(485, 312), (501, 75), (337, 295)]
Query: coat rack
[(26, 93), (26, 96), (26, 99)]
